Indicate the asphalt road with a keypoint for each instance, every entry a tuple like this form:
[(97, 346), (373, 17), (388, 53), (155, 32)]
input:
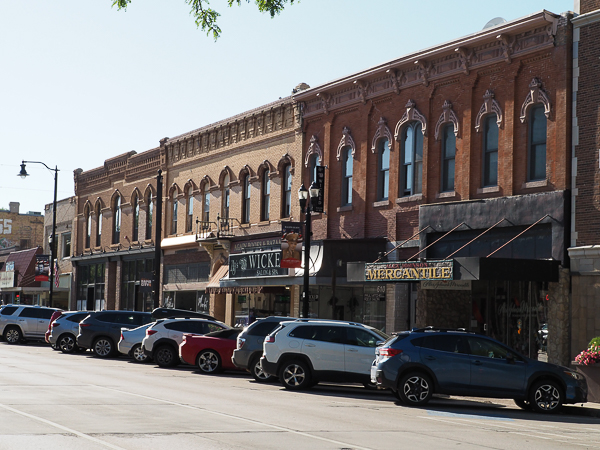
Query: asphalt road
[(49, 400)]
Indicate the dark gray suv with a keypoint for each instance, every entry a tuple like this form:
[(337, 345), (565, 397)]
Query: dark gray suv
[(250, 346), (101, 330)]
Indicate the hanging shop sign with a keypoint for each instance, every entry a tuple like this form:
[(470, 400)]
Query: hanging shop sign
[(255, 244), (291, 244), (146, 281), (409, 271), (42, 267), (7, 279), (262, 264), (318, 206)]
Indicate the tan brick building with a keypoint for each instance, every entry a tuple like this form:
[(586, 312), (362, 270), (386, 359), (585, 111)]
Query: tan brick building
[(20, 231)]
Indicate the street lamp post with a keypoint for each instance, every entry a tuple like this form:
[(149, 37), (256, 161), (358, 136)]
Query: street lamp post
[(157, 238), (305, 206), (23, 174)]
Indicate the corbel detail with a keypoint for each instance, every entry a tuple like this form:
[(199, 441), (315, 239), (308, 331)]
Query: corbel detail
[(448, 115), (537, 94), (490, 105), (412, 113), (345, 142), (382, 131)]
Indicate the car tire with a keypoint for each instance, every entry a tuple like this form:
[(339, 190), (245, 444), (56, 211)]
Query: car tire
[(295, 375), (138, 355), (13, 335), (66, 343), (257, 373), (546, 396), (209, 362), (396, 394), (523, 404), (415, 389), (103, 347), (165, 356)]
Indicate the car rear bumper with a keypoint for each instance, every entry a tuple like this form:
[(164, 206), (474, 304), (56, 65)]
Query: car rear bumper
[(240, 358), (268, 367)]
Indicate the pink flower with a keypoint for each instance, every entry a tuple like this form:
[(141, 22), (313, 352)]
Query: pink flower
[(589, 356)]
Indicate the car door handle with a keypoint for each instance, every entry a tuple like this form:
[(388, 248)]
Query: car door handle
[(21, 320), (310, 345), (352, 350), (477, 363)]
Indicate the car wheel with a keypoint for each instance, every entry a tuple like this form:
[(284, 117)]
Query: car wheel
[(546, 397), (103, 347), (165, 356), (523, 404), (257, 372), (295, 375), (13, 335), (209, 362), (415, 389), (66, 343), (138, 355)]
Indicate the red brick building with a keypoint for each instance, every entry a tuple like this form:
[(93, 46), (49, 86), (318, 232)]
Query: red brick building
[(460, 152)]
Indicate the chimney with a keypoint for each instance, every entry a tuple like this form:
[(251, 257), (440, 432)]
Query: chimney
[(14, 207)]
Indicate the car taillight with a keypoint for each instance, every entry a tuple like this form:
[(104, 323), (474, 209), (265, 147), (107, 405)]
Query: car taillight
[(83, 325), (121, 335), (388, 352), (150, 332), (270, 339), (240, 342), (54, 324)]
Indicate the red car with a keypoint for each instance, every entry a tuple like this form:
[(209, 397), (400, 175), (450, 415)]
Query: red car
[(55, 315), (211, 352)]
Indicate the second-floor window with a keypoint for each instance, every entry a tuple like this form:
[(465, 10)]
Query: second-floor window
[(411, 176), (266, 196), (448, 155), (490, 151), (88, 228), (225, 192), (189, 214), (149, 215), (347, 168), (537, 144), (98, 226), (116, 237), (174, 213), (206, 207), (136, 218), (246, 198), (313, 162), (383, 170)]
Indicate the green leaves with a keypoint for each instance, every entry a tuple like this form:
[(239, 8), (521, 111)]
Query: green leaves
[(206, 18)]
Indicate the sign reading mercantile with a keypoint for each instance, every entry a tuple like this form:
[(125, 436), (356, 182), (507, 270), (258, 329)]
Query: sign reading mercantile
[(259, 264), (409, 271)]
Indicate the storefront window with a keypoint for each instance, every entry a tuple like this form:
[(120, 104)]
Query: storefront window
[(249, 307), (90, 287), (197, 301), (132, 299)]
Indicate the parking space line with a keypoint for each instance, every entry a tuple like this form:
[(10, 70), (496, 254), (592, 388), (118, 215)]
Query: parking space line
[(61, 427)]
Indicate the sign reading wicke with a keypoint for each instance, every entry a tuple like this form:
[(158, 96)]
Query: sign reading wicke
[(409, 271)]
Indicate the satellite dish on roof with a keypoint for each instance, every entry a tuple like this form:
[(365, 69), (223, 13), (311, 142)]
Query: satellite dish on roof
[(495, 21)]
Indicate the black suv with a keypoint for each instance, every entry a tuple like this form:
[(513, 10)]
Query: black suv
[(101, 330), (172, 313), (415, 364)]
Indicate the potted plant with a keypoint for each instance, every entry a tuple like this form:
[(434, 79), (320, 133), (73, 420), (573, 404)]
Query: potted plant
[(588, 364)]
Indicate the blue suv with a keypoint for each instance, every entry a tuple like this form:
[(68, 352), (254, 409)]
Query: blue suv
[(415, 364)]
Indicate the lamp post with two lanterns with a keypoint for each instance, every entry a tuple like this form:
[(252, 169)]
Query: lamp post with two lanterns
[(23, 174), (306, 206)]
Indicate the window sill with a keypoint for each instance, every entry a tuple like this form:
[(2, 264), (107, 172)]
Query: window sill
[(410, 198), (381, 203), (344, 208), (488, 190), (114, 246), (535, 184), (263, 223), (450, 194)]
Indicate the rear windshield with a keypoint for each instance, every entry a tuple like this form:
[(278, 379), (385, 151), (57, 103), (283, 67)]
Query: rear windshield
[(262, 328)]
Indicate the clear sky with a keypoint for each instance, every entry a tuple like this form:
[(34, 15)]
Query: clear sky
[(81, 82)]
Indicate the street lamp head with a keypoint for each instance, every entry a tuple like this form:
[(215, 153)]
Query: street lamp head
[(23, 173), (314, 190), (302, 196)]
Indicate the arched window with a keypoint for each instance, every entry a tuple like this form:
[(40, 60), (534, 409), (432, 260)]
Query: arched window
[(174, 212), (347, 161), (411, 174), (98, 225), (313, 162), (490, 150), (206, 204), (189, 213), (246, 198), (116, 236), (149, 214), (286, 207), (265, 201), (225, 192), (537, 143), (383, 169), (136, 219), (88, 227), (448, 155)]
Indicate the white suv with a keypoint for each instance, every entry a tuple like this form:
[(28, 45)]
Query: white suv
[(164, 336), (304, 352), (19, 322)]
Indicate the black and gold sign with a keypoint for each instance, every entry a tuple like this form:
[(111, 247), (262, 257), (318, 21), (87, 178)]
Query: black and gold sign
[(409, 271)]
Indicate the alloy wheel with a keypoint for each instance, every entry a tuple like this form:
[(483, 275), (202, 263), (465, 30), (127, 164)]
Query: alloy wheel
[(416, 389), (208, 361), (66, 343), (12, 336), (138, 354), (547, 397), (103, 347), (294, 375)]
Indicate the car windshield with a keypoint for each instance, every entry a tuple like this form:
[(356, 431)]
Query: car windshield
[(384, 337)]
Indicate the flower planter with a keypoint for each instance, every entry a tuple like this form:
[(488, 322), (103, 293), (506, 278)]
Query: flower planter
[(592, 376)]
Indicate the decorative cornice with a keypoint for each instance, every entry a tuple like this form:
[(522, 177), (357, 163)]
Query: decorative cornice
[(490, 105), (412, 113), (313, 147), (382, 132), (345, 142), (536, 94), (448, 115)]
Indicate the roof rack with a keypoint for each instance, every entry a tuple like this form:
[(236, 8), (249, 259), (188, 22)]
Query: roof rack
[(441, 330)]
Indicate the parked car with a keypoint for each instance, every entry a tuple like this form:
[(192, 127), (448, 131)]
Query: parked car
[(101, 330), (130, 343), (418, 363), (304, 352), (212, 352), (55, 315), (172, 313), (64, 330), (249, 348), (22, 322), (164, 336)]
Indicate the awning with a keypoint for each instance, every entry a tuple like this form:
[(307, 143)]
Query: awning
[(179, 241), (214, 285)]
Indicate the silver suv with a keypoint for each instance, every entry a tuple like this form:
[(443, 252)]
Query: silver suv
[(304, 352), (19, 322), (64, 331)]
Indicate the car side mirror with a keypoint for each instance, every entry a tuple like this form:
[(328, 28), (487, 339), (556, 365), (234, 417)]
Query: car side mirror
[(510, 358)]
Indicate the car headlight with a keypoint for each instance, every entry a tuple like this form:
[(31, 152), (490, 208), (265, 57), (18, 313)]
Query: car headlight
[(576, 375)]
